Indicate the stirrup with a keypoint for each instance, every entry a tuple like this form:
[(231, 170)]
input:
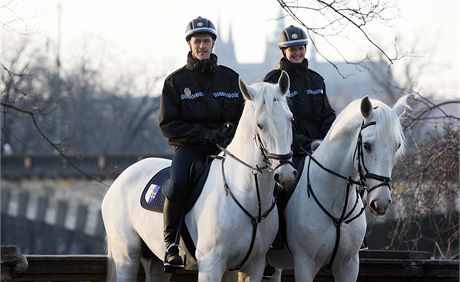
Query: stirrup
[(268, 271), (363, 246)]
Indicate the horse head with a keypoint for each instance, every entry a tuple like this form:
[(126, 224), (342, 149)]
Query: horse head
[(380, 142), (269, 120)]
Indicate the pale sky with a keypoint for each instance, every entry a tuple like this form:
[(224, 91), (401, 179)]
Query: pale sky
[(144, 33)]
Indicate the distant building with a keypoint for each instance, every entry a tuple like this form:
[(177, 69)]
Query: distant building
[(250, 72)]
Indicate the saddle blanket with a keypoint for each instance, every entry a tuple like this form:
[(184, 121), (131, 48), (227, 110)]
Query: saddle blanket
[(152, 197)]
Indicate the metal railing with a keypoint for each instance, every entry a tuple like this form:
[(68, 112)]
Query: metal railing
[(374, 266), (54, 166)]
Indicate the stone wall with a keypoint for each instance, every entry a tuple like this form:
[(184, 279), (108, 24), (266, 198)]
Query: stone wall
[(64, 210)]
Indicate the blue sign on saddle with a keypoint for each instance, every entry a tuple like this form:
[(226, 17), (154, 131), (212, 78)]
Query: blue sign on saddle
[(152, 197)]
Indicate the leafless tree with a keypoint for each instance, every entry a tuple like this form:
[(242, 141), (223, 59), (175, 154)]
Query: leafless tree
[(427, 180), (331, 19), (92, 117)]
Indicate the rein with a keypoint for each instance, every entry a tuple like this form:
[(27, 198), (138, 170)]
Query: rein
[(255, 220), (345, 217)]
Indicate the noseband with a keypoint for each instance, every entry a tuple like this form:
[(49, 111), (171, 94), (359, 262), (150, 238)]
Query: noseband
[(364, 173), (282, 158), (267, 156)]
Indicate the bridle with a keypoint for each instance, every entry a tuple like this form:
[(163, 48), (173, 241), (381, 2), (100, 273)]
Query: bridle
[(255, 170), (364, 174), (282, 158)]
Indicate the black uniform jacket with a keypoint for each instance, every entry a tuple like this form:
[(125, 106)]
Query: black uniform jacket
[(313, 115), (198, 97)]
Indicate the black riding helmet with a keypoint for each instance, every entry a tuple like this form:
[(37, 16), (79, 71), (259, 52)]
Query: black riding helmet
[(292, 36), (200, 25)]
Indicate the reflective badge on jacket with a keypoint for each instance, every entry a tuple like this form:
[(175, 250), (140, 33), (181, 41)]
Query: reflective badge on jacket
[(306, 91), (188, 96), (314, 92)]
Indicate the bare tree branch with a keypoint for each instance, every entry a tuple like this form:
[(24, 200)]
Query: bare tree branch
[(342, 13), (56, 146)]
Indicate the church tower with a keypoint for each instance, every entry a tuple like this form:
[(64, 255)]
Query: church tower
[(225, 50), (272, 51)]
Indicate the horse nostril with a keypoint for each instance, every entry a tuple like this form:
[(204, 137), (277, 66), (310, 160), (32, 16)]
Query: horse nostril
[(389, 202), (277, 177)]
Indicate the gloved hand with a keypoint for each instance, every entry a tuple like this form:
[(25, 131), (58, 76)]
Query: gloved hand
[(314, 144), (228, 129), (218, 136), (300, 142)]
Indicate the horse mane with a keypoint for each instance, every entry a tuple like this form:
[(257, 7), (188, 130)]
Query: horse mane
[(267, 94), (265, 97), (388, 125)]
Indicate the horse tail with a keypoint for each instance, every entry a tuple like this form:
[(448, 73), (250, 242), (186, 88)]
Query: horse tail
[(111, 269)]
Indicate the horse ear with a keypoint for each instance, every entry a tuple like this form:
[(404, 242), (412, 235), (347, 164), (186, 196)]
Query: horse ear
[(245, 89), (284, 82), (366, 107), (401, 105)]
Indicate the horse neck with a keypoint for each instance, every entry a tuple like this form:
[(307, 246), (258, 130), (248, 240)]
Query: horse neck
[(240, 178), (337, 156)]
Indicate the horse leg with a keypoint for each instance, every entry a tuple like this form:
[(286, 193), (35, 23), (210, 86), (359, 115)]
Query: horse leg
[(277, 275), (126, 257), (243, 277), (154, 271), (146, 265), (210, 270), (255, 270), (347, 272), (230, 276), (304, 269)]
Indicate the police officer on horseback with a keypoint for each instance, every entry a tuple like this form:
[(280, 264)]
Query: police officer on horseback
[(313, 115), (200, 107)]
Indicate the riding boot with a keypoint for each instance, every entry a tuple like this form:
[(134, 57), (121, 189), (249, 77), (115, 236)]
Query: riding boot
[(364, 245), (278, 243), (172, 215), (268, 271)]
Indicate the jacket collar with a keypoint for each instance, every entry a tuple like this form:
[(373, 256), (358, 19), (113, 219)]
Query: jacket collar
[(295, 69), (204, 66)]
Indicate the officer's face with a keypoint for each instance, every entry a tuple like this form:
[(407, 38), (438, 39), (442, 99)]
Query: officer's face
[(201, 46), (295, 54)]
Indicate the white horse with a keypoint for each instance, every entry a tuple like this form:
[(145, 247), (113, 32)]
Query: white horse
[(234, 220), (325, 224)]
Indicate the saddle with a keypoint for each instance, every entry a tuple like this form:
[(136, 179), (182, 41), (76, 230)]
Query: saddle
[(153, 195)]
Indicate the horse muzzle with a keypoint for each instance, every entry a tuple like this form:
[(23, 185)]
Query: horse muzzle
[(285, 175), (379, 207)]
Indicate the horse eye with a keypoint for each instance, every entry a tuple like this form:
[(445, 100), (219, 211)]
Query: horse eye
[(367, 146), (260, 126), (399, 146)]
